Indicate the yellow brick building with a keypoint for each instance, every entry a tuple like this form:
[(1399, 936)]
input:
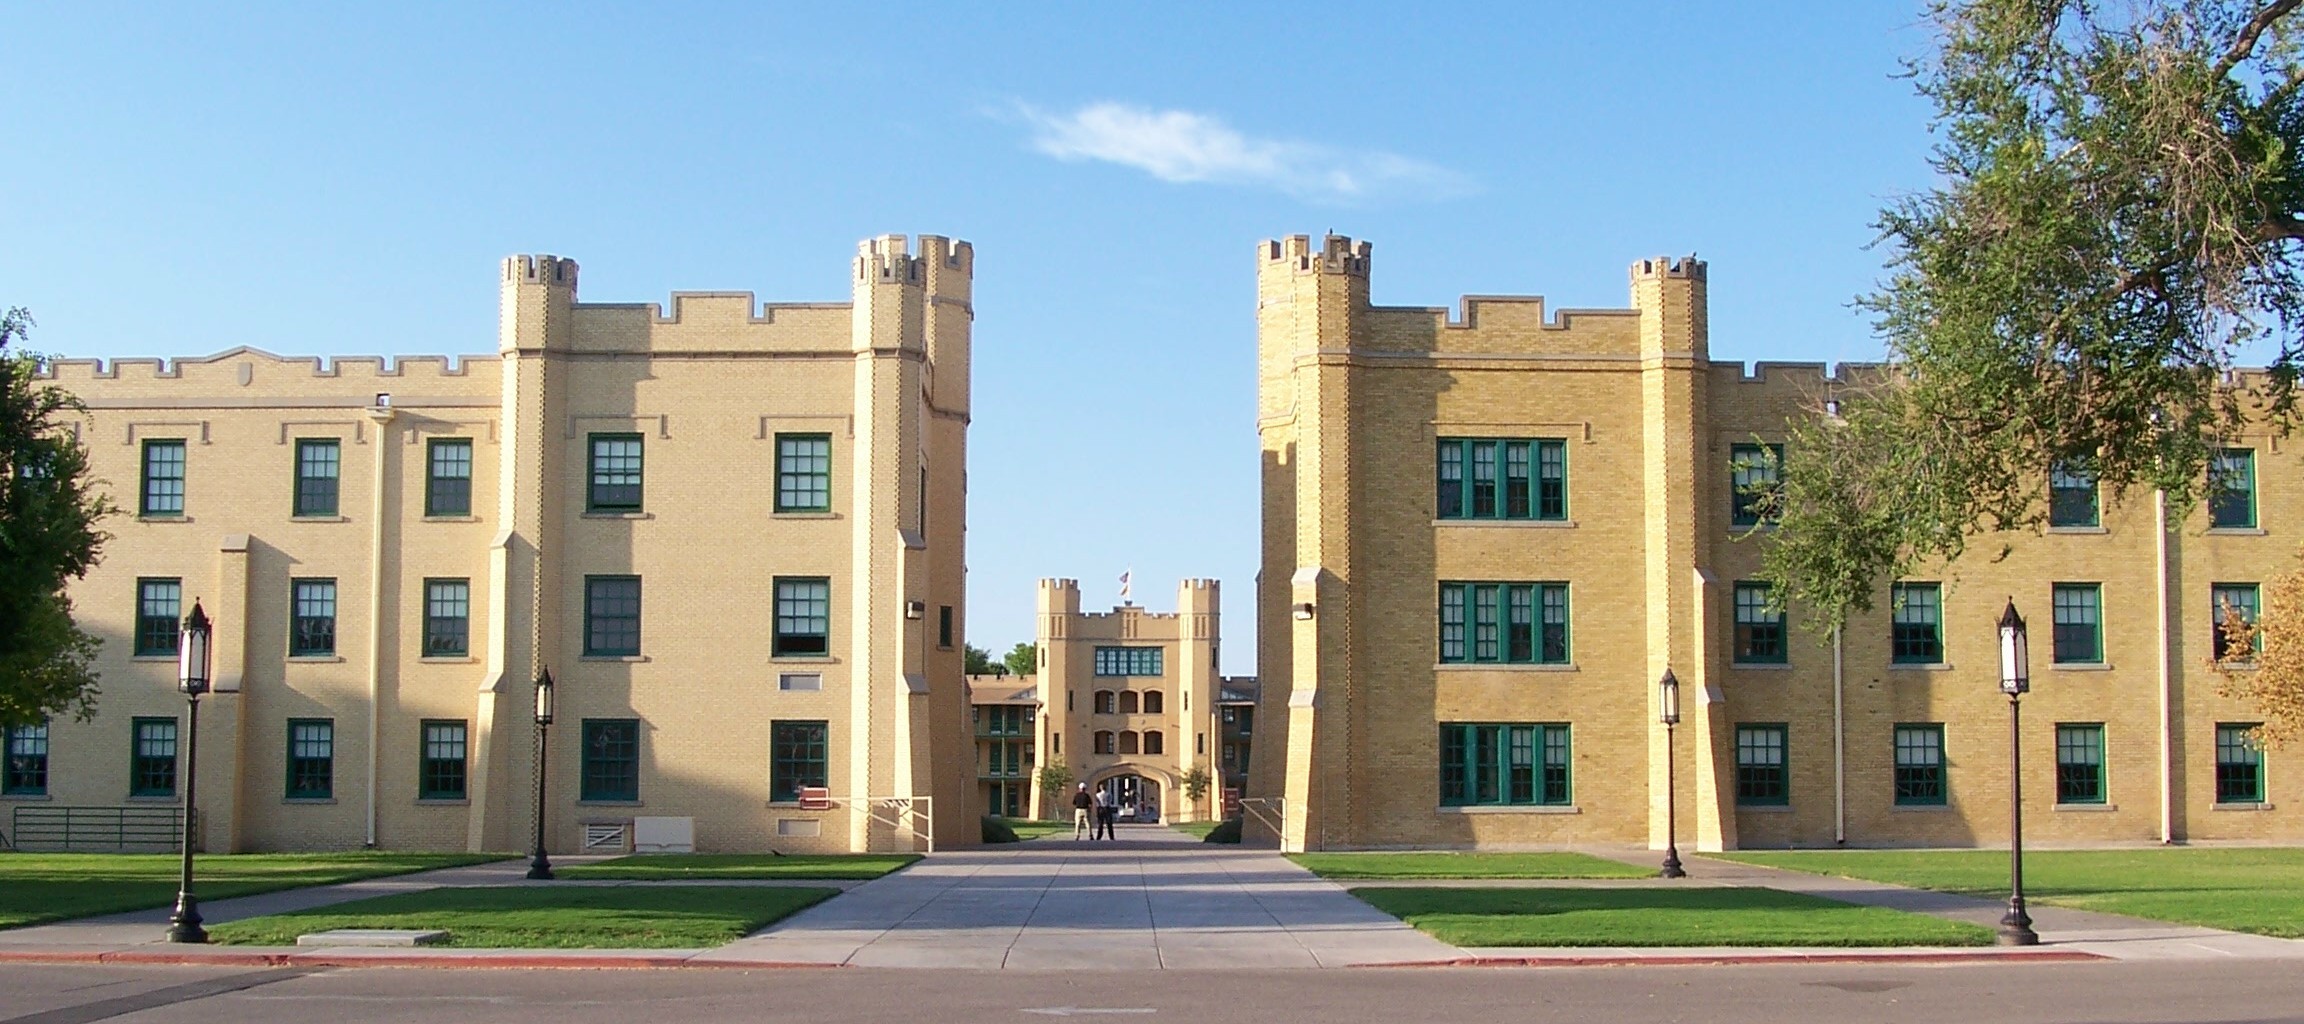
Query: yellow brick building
[(1488, 534), (731, 532)]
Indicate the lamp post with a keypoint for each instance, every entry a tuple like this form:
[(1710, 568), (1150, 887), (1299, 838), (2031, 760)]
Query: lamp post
[(540, 867), (2015, 679), (1668, 710), (192, 680)]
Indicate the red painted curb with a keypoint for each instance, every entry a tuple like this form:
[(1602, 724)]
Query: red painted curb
[(220, 958), (1735, 959)]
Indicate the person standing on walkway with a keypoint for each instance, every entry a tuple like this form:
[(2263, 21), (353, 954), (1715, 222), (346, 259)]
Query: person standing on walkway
[(1106, 810), (1083, 811)]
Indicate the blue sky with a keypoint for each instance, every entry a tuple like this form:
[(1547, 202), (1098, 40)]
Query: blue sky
[(341, 179)]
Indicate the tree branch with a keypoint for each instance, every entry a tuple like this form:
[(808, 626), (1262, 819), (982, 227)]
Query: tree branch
[(2245, 43)]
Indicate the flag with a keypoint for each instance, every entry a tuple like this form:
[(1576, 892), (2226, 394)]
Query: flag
[(1124, 583)]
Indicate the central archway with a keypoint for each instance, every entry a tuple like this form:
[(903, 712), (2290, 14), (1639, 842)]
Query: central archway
[(1139, 791)]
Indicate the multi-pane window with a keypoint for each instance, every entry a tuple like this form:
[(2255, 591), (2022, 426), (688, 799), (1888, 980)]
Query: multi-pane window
[(2232, 495), (611, 616), (1916, 624), (614, 481), (611, 759), (163, 485), (2072, 495), (1490, 478), (1752, 480), (312, 618), (1104, 704), (803, 472), (1155, 741), (311, 758), (1759, 629), (152, 757), (1006, 720), (1103, 741), (796, 758), (1761, 777), (2239, 764), (1128, 661), (24, 761), (2079, 623), (317, 469), (803, 616), (1503, 764), (158, 603), (440, 770), (1920, 764), (448, 477), (447, 618), (1506, 623), (2230, 603), (2079, 764)]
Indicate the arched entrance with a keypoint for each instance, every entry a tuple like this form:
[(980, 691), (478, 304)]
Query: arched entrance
[(1137, 796)]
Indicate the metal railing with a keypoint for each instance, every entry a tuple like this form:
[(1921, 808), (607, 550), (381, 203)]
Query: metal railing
[(117, 829)]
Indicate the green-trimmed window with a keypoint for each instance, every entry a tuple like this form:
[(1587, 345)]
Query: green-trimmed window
[(1762, 776), (1128, 661), (2228, 602), (440, 767), (613, 480), (158, 602), (2239, 764), (318, 466), (1483, 763), (2232, 497), (1752, 479), (311, 758), (1502, 478), (803, 472), (803, 616), (1920, 764), (448, 477), (2072, 495), (152, 757), (312, 618), (1759, 634), (163, 485), (2079, 763), (797, 757), (1504, 623), (24, 761), (447, 618), (1916, 624), (611, 616), (611, 768), (2079, 623)]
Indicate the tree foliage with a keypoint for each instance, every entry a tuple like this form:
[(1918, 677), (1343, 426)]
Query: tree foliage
[(2264, 660), (976, 661), (48, 535), (1054, 777), (1195, 781), (1022, 660)]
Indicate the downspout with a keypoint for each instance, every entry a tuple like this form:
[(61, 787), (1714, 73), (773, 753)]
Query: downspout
[(2167, 675), (379, 593), (1839, 745)]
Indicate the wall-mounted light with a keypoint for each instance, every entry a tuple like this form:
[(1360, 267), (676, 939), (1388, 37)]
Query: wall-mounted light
[(915, 609), (383, 399), (1304, 609)]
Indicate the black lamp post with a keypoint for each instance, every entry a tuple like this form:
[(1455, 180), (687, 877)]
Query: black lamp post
[(2015, 679), (540, 867), (1668, 706), (192, 680)]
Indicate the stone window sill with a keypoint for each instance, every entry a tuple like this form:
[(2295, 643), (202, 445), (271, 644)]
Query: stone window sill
[(1761, 666), (2082, 666), (26, 796), (319, 519), (823, 514), (154, 657), (1490, 666), (1920, 808), (2088, 808), (152, 798), (610, 803), (315, 659), (626, 658), (308, 800), (2266, 806), (1515, 809), (2237, 531), (449, 660), (442, 801), (155, 518), (1914, 666), (1515, 524), (619, 515), (1764, 808), (451, 519), (803, 659), (2078, 530)]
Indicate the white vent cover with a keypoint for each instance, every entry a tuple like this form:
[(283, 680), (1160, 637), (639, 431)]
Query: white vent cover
[(607, 836)]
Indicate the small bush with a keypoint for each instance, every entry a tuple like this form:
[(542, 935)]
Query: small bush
[(1228, 832), (997, 831)]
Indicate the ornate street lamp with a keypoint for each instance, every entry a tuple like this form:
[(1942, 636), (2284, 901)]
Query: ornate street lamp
[(1668, 705), (540, 867), (192, 680), (2015, 679)]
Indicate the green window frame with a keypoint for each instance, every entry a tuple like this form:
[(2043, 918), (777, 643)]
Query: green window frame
[(1920, 776), (448, 476), (1504, 623), (2072, 497), (152, 757), (2239, 764), (319, 468), (1754, 472), (611, 760), (1129, 661), (1763, 770), (2232, 494), (803, 472), (441, 759), (312, 618), (159, 603), (1504, 763), (611, 616), (1759, 633), (161, 492), (2079, 762), (2079, 623), (1916, 628), (797, 757), (311, 758), (803, 617), (2226, 600), (1502, 478), (24, 760), (447, 618), (613, 472)]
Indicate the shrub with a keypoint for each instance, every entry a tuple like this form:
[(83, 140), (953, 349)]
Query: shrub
[(997, 831), (1227, 832)]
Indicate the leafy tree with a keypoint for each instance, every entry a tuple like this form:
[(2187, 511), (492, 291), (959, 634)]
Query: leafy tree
[(48, 535), (2263, 661), (976, 661), (1055, 778), (1023, 660), (1195, 783)]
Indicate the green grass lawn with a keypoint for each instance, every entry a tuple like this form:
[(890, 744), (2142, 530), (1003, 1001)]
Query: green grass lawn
[(2258, 890), (545, 917), (1660, 917), (680, 866), (1028, 829), (1465, 865), (41, 887), (1195, 829)]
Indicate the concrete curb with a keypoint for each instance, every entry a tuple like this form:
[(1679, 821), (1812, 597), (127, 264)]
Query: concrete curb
[(522, 960), (1737, 959)]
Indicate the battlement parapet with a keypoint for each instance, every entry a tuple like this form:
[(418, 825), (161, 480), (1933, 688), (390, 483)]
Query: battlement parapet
[(1687, 268), (1337, 254), (545, 269), (237, 366), (1775, 373)]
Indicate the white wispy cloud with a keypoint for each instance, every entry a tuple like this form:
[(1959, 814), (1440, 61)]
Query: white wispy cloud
[(1181, 146)]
